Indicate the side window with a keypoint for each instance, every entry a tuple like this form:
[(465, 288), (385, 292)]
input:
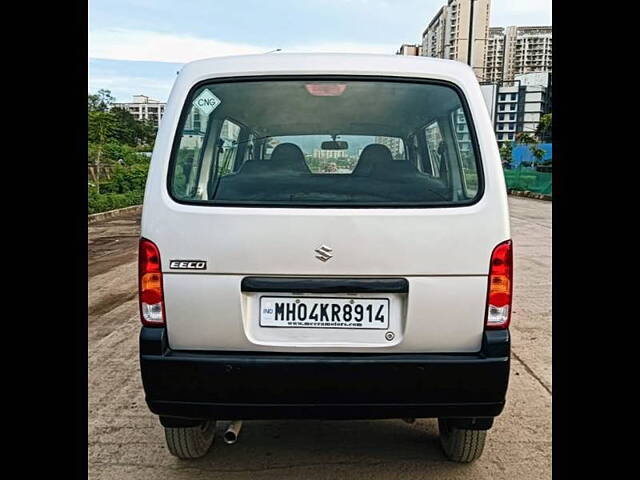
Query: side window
[(189, 155), (227, 147), (433, 137), (466, 152)]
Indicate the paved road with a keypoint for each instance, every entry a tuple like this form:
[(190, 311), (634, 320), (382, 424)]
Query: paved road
[(126, 440)]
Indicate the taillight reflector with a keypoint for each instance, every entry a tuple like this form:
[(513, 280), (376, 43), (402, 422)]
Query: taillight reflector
[(500, 288), (151, 295)]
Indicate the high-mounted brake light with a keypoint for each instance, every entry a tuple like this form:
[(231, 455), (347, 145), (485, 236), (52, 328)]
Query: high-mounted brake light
[(150, 284), (325, 89), (500, 287)]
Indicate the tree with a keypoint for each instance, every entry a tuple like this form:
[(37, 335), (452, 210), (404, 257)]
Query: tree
[(506, 153), (532, 141), (146, 132), (101, 101), (126, 127), (537, 152), (543, 131), (527, 138), (101, 129)]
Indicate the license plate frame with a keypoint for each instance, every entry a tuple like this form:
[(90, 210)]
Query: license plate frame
[(329, 323)]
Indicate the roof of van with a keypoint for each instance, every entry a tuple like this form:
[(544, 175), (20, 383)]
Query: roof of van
[(326, 63)]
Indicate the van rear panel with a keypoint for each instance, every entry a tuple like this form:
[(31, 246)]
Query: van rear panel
[(430, 318)]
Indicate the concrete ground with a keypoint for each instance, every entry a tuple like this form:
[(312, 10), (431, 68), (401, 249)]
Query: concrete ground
[(127, 441)]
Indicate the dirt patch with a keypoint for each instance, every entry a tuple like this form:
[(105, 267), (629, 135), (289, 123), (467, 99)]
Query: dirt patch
[(113, 242), (109, 302)]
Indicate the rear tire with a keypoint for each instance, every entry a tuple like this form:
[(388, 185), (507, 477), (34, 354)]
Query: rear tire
[(461, 444), (190, 442)]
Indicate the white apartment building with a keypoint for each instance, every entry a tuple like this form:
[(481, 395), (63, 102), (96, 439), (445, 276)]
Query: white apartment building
[(144, 108), (514, 51), (520, 105), (448, 33), (323, 154)]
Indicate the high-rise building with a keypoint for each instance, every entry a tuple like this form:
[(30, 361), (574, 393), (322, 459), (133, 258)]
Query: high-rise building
[(448, 33), (144, 108), (514, 51), (410, 50), (494, 65)]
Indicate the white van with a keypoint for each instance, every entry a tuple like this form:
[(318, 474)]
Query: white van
[(325, 236)]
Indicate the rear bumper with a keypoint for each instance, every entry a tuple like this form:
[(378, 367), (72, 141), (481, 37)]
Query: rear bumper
[(243, 385)]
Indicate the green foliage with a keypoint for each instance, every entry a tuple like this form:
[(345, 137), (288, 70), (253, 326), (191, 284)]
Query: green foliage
[(117, 153), (120, 126), (129, 179), (538, 153), (526, 138), (543, 131), (144, 148), (534, 139), (116, 139), (506, 153), (102, 127), (101, 101), (146, 133), (99, 202), (126, 129)]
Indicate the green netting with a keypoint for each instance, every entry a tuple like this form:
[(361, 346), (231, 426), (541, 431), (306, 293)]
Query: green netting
[(527, 179)]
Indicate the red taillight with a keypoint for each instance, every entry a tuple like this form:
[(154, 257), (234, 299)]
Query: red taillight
[(150, 284), (500, 288)]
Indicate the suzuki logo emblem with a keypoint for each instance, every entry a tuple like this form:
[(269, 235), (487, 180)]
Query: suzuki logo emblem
[(324, 253)]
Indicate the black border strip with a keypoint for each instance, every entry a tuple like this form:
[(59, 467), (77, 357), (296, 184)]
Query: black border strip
[(324, 285), (328, 77)]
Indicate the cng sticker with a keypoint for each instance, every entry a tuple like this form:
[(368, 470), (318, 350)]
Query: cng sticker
[(206, 102)]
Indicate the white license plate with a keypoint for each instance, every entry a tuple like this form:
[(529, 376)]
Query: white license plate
[(324, 312)]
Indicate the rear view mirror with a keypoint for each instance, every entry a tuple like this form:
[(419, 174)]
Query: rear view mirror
[(335, 145)]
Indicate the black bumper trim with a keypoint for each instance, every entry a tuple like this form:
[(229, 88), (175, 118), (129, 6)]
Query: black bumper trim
[(324, 285), (255, 385)]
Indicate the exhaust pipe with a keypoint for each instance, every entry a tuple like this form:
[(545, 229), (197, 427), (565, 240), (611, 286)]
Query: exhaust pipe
[(232, 432)]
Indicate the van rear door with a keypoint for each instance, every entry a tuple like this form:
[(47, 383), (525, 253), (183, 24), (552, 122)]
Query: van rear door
[(387, 241)]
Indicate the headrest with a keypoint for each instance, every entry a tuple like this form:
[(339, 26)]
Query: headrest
[(288, 157), (372, 156)]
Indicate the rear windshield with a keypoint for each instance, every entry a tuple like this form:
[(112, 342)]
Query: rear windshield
[(324, 143)]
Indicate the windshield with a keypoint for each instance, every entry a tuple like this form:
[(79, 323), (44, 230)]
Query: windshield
[(325, 143)]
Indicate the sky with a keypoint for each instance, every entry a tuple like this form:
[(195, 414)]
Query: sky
[(138, 46)]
